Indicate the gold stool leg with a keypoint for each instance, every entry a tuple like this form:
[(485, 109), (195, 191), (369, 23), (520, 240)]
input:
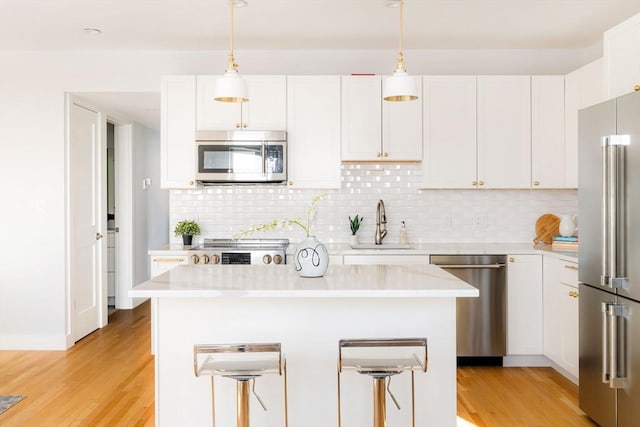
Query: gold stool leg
[(242, 403), (379, 403)]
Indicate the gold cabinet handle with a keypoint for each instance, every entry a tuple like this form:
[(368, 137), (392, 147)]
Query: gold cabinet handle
[(536, 183), (474, 183), (378, 154), (244, 125), (636, 88), (570, 267), (481, 183), (190, 182), (168, 260), (386, 154), (237, 125), (573, 294), (512, 259), (290, 182)]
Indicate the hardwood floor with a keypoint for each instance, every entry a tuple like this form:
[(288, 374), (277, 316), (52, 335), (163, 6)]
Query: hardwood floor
[(107, 380)]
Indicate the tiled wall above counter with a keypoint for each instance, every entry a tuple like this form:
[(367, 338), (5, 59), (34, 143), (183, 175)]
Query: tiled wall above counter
[(437, 216)]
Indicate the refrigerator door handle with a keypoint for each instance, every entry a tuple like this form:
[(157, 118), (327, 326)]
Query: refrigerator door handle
[(614, 257), (618, 357), (605, 342)]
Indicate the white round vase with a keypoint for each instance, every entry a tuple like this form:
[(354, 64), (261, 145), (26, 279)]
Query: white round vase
[(311, 258), (567, 226)]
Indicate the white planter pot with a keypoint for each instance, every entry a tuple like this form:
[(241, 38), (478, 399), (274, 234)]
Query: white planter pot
[(353, 239), (311, 258)]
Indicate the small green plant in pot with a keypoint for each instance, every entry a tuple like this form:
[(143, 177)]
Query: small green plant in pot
[(355, 224), (187, 229)]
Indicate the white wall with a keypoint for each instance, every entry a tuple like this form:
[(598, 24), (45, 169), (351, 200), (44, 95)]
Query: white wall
[(33, 275)]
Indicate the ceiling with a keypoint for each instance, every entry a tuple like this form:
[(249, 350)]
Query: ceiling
[(299, 24), (307, 24)]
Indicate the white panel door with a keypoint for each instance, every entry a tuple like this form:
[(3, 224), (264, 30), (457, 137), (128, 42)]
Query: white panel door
[(313, 116), (402, 128), (178, 132), (504, 131), (450, 153), (622, 58), (361, 118), (87, 200), (524, 305), (552, 309), (547, 132)]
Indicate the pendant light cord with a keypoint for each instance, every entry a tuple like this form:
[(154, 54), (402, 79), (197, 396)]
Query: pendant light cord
[(400, 65), (231, 64)]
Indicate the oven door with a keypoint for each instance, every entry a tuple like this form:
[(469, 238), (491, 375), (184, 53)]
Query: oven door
[(241, 161)]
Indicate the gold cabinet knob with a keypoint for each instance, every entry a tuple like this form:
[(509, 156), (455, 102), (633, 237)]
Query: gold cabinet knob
[(536, 183), (378, 154), (244, 125), (190, 182), (290, 182), (636, 88), (512, 259), (237, 125), (481, 183), (474, 183), (386, 154)]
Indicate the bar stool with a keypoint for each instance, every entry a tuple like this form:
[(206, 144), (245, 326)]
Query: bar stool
[(243, 363), (381, 359)]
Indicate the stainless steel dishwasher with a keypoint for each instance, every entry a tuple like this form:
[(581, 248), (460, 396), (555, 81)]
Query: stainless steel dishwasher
[(481, 322)]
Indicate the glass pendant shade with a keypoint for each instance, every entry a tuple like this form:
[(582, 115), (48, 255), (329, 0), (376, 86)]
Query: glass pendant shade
[(400, 87), (231, 87)]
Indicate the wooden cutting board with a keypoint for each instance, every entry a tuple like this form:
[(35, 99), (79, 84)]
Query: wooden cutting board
[(547, 226)]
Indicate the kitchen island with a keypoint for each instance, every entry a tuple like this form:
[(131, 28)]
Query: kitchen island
[(207, 304)]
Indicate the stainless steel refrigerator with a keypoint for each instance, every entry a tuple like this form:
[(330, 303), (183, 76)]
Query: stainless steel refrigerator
[(609, 275)]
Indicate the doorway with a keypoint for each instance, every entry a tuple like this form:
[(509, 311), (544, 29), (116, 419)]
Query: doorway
[(111, 219)]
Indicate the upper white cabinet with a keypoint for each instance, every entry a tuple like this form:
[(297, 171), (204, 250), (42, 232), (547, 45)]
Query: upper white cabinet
[(371, 131), (313, 117), (622, 58), (547, 132), (504, 131), (177, 140), (265, 110), (449, 122), (584, 87), (524, 305)]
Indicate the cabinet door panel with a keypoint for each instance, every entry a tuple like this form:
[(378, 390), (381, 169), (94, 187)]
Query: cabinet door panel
[(524, 304), (449, 132), (361, 118), (504, 131), (622, 62), (177, 139), (547, 132), (402, 129), (267, 106), (212, 114), (314, 131)]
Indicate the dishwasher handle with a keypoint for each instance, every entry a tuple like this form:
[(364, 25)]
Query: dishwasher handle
[(460, 266)]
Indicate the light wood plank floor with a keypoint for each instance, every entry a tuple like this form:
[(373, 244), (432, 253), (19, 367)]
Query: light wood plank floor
[(106, 379)]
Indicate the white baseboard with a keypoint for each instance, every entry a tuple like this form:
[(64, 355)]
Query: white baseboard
[(33, 342), (524, 360)]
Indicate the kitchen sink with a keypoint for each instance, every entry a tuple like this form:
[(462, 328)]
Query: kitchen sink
[(383, 246)]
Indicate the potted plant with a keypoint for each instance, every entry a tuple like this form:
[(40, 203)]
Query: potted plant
[(187, 229), (355, 224)]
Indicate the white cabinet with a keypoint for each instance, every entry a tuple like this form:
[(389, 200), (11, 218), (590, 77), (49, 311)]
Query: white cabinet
[(504, 131), (449, 138), (385, 259), (524, 305), (265, 110), (622, 58), (561, 314), (547, 132), (313, 117), (178, 124), (162, 263), (371, 131), (583, 87)]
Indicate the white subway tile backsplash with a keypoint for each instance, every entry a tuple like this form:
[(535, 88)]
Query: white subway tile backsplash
[(432, 216)]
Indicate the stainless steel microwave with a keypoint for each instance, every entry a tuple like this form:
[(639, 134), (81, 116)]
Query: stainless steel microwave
[(243, 156)]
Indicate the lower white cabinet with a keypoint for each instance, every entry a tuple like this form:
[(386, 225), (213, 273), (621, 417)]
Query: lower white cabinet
[(561, 313), (524, 305), (163, 263)]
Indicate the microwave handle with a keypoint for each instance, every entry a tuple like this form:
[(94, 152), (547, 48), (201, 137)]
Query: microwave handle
[(264, 160)]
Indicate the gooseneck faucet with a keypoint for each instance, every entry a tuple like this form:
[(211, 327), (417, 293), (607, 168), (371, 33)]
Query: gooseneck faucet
[(381, 223)]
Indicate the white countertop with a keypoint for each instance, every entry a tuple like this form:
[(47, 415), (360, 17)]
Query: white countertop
[(340, 249), (340, 281)]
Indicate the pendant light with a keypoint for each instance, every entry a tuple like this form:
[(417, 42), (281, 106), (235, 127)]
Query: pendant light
[(400, 86), (231, 87)]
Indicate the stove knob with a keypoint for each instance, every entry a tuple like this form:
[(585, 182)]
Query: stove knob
[(266, 259), (204, 259), (195, 259), (277, 259), (215, 259)]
